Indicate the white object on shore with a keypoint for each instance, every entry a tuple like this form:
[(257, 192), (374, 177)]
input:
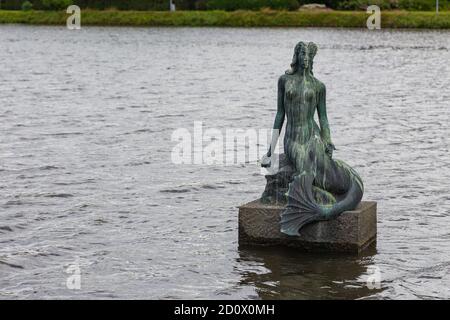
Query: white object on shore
[(314, 6), (172, 6)]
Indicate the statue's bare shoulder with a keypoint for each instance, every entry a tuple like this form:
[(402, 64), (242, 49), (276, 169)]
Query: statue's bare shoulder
[(282, 80), (320, 85)]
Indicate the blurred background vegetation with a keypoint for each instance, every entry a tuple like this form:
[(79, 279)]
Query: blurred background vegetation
[(228, 5)]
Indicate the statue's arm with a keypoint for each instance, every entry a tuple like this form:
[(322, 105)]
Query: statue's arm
[(279, 118), (323, 119)]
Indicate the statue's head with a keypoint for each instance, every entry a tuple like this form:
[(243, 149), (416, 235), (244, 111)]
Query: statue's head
[(303, 58)]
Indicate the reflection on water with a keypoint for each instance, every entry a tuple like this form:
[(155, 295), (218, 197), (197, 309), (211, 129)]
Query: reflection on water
[(294, 275)]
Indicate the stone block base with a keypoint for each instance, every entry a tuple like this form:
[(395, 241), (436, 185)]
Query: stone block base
[(352, 231)]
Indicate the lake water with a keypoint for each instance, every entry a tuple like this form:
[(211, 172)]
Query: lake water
[(87, 182)]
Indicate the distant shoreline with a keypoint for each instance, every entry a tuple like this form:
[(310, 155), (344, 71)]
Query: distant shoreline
[(328, 19)]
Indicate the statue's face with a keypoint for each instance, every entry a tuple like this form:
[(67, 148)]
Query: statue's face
[(303, 57)]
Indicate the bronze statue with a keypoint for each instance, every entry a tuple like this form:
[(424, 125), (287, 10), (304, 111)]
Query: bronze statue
[(318, 186)]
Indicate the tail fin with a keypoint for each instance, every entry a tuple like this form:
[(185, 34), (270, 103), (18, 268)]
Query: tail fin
[(302, 207)]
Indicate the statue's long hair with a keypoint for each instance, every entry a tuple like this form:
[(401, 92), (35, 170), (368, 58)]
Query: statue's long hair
[(311, 49)]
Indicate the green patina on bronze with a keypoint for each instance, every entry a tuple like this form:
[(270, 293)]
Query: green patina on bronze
[(318, 186)]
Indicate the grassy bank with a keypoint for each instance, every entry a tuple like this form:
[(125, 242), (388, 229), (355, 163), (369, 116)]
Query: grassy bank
[(352, 19)]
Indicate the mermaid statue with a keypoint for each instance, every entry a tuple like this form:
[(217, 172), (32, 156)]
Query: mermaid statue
[(313, 185)]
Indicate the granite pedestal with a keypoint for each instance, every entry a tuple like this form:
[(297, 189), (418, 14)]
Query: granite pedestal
[(352, 231)]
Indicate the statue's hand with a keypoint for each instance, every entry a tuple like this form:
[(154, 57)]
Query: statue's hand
[(329, 148), (265, 161)]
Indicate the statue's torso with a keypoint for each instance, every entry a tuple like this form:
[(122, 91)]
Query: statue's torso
[(300, 102)]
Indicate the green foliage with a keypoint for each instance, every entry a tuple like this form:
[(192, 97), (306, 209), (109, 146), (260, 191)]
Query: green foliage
[(157, 5), (231, 5), (56, 4), (27, 6), (411, 5), (141, 5), (419, 5), (363, 4)]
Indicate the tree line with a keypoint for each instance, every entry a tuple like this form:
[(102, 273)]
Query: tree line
[(229, 5)]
